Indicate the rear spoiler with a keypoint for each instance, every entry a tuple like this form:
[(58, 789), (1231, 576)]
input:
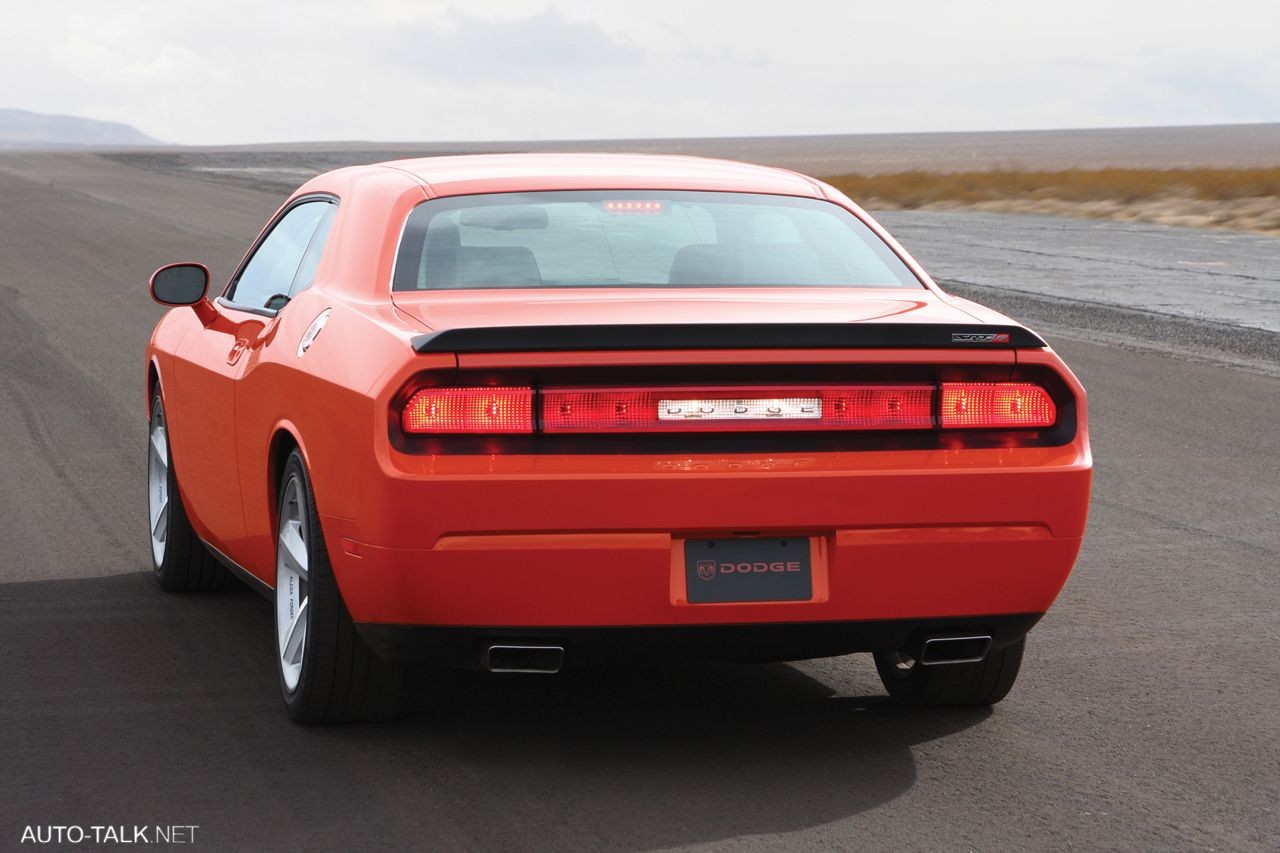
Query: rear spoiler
[(726, 336)]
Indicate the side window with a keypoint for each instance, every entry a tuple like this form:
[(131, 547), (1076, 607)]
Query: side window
[(276, 262), (315, 250)]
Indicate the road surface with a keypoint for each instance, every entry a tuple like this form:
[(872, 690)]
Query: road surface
[(1145, 717)]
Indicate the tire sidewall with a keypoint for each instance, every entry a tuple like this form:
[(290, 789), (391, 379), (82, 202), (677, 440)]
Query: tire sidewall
[(296, 468), (162, 568)]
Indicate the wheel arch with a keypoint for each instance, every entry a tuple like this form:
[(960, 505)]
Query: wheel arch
[(284, 440), (153, 382)]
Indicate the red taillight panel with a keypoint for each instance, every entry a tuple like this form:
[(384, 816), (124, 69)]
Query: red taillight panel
[(791, 408), (995, 405), (456, 411), (595, 410), (880, 407), (720, 409)]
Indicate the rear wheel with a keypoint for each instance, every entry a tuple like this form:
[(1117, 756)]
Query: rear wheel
[(178, 557), (979, 684), (327, 673)]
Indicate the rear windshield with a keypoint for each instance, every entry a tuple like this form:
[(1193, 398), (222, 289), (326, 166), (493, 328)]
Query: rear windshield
[(640, 239)]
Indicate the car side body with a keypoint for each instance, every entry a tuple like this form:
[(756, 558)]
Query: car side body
[(443, 547)]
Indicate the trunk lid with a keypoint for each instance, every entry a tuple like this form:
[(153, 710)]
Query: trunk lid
[(442, 310)]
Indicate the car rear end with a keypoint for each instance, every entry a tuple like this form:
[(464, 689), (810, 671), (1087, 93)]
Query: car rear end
[(774, 471), (847, 498)]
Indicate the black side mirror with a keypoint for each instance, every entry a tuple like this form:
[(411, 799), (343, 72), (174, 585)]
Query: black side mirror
[(180, 284)]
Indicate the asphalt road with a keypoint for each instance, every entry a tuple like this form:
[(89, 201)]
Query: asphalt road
[(1146, 716)]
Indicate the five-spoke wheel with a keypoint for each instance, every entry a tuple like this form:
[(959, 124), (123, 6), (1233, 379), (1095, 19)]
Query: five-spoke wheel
[(180, 560), (327, 672), (158, 483), (291, 584)]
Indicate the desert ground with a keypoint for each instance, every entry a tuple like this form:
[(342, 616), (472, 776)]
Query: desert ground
[(1224, 177)]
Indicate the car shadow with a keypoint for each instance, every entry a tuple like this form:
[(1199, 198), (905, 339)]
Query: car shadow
[(110, 684), (649, 755)]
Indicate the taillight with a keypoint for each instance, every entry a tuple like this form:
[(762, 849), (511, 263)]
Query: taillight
[(795, 408), (469, 410), (995, 405), (878, 407)]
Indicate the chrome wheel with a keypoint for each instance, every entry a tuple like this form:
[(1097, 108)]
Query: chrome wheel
[(291, 583), (158, 486)]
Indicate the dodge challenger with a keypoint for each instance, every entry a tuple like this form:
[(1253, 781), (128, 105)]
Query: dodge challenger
[(517, 412)]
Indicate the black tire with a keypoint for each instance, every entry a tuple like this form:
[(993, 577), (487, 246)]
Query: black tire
[(977, 685), (341, 679), (186, 564)]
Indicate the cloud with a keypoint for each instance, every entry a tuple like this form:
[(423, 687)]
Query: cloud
[(1198, 91), (465, 47), (214, 71)]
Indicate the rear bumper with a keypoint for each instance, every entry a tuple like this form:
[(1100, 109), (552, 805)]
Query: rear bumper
[(465, 647), (947, 542), (638, 579)]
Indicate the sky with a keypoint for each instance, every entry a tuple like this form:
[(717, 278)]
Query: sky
[(226, 71)]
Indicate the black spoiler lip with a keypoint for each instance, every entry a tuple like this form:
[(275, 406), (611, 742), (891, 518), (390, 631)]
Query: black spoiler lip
[(727, 336)]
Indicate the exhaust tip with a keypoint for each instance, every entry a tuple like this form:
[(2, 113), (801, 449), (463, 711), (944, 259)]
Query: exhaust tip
[(967, 649), (524, 658)]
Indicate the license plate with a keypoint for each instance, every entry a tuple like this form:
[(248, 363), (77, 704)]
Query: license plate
[(719, 570)]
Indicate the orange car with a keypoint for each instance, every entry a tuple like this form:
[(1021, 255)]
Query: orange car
[(508, 411)]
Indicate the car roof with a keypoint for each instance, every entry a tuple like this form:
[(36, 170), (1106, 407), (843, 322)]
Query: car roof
[(479, 173)]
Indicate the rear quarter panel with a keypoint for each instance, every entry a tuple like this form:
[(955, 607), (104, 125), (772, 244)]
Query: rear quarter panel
[(326, 402)]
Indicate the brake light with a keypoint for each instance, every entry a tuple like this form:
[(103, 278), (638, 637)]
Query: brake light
[(995, 405), (881, 407), (737, 409), (918, 406), (651, 207), (469, 410)]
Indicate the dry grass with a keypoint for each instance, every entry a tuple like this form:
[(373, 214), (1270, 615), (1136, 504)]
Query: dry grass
[(1233, 198)]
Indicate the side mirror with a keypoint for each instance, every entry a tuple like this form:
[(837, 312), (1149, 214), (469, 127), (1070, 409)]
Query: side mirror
[(180, 284)]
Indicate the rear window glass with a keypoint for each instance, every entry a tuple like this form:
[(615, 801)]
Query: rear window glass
[(640, 239)]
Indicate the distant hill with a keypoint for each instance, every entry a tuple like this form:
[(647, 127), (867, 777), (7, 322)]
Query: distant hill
[(23, 129)]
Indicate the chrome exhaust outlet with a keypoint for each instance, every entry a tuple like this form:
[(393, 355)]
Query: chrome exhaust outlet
[(523, 658), (968, 649)]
